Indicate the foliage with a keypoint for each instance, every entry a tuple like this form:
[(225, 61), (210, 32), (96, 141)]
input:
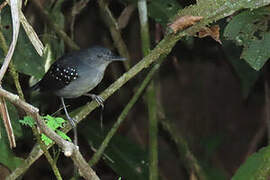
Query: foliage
[(55, 123), (250, 29), (28, 121), (256, 166), (25, 59), (122, 155)]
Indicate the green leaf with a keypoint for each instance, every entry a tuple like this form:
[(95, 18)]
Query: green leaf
[(60, 121), (257, 53), (28, 121), (52, 122), (249, 29), (63, 135), (256, 166), (25, 58), (125, 157), (247, 75), (47, 141)]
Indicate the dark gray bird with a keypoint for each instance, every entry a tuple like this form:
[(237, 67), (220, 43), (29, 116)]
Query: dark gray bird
[(77, 73)]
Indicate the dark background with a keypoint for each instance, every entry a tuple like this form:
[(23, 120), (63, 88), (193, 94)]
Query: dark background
[(199, 90)]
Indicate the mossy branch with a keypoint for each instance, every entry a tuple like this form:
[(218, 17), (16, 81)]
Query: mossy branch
[(151, 100), (221, 9)]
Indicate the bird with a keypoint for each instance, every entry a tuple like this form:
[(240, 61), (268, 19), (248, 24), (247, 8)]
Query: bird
[(75, 74)]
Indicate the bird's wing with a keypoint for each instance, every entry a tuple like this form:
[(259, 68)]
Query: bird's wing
[(58, 76)]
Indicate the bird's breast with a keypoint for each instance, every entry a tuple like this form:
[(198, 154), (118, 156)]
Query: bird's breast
[(88, 78)]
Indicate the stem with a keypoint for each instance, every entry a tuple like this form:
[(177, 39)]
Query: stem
[(112, 24), (153, 131), (151, 96), (44, 15), (123, 115), (15, 76), (189, 159), (219, 11), (267, 111), (145, 37)]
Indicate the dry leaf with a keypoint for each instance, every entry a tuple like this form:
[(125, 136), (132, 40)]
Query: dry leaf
[(212, 32), (184, 22)]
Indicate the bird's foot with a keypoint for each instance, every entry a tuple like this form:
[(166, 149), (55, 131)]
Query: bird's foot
[(97, 98), (72, 121)]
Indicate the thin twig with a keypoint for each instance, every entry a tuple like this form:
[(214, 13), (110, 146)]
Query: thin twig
[(162, 49), (76, 9), (3, 107), (47, 154), (125, 16), (115, 31), (190, 161), (7, 123), (55, 169), (123, 115), (68, 148), (44, 15)]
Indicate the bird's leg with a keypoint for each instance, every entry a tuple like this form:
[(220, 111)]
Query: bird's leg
[(71, 121), (97, 98), (100, 102)]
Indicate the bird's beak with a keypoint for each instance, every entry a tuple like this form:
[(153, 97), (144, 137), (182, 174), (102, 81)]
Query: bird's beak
[(118, 58)]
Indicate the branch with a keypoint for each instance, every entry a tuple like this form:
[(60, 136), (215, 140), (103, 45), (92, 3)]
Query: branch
[(115, 31), (95, 158), (189, 159), (76, 9), (224, 9), (125, 16), (45, 16), (68, 148), (151, 100)]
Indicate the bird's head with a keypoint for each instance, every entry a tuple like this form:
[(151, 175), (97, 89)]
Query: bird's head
[(102, 54)]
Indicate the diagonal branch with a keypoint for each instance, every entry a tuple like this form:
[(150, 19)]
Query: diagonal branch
[(45, 16), (162, 49), (68, 148), (112, 24)]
